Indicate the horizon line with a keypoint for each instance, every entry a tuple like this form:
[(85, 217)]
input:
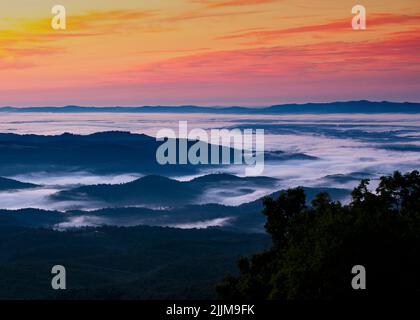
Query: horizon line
[(215, 107)]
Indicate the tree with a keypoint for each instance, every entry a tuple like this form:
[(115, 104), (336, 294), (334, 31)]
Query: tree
[(315, 247)]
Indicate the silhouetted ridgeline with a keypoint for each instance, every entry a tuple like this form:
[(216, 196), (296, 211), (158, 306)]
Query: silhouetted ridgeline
[(10, 184), (313, 250), (102, 152), (333, 107), (243, 218), (148, 190)]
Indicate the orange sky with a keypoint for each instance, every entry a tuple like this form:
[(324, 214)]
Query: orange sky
[(207, 52)]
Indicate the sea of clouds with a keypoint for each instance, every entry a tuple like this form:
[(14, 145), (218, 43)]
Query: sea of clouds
[(375, 144)]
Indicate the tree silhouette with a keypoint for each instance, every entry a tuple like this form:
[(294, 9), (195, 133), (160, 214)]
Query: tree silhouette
[(315, 247)]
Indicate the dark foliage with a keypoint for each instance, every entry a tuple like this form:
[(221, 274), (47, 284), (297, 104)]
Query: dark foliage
[(314, 248), (120, 263)]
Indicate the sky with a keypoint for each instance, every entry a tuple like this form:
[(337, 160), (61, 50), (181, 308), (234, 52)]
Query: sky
[(207, 52)]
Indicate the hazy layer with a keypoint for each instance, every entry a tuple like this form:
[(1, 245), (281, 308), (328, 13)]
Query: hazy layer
[(374, 145)]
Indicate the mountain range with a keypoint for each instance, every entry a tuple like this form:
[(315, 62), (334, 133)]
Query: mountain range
[(162, 191), (102, 152), (246, 217), (362, 106), (11, 184)]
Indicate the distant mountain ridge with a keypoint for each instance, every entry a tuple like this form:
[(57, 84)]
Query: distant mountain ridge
[(158, 190), (102, 152), (246, 217), (10, 184), (362, 106)]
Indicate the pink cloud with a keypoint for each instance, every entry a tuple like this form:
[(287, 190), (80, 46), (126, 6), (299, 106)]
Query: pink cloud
[(231, 3), (339, 26)]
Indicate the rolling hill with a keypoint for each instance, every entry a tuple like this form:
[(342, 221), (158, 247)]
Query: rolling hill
[(10, 184), (162, 191), (103, 153)]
